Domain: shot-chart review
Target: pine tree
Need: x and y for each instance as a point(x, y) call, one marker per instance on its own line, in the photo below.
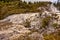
point(29, 3)
point(58, 1)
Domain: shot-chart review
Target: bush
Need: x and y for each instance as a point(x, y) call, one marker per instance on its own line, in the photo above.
point(45, 21)
point(55, 25)
point(53, 36)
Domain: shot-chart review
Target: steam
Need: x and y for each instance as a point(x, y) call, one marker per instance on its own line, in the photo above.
point(53, 9)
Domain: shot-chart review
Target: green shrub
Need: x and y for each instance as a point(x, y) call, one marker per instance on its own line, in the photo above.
point(55, 25)
point(45, 21)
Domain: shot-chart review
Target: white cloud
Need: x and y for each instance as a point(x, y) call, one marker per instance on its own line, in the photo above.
point(39, 0)
point(36, 0)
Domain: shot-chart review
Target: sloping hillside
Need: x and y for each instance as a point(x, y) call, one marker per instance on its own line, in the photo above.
point(32, 21)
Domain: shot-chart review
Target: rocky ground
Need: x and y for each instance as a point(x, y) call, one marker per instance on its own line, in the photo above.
point(25, 27)
point(30, 26)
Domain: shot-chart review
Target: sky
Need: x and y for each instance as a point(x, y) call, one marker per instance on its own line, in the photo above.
point(39, 0)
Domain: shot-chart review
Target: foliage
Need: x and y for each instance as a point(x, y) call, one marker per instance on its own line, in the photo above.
point(55, 25)
point(27, 24)
point(45, 21)
point(53, 36)
point(9, 7)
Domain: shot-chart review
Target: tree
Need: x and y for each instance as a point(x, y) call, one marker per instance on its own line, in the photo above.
point(29, 3)
point(9, 0)
point(25, 2)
